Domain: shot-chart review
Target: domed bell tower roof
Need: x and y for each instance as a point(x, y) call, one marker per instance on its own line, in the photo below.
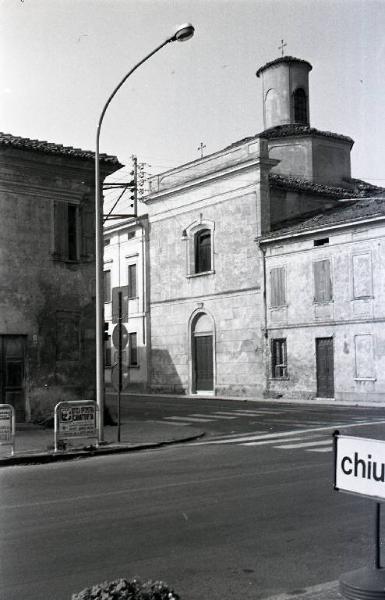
point(285, 89)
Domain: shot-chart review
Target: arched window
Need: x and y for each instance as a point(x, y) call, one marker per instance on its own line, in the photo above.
point(300, 106)
point(203, 251)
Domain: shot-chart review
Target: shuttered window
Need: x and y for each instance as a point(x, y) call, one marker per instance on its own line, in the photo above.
point(107, 286)
point(133, 349)
point(278, 358)
point(322, 282)
point(66, 231)
point(132, 281)
point(277, 287)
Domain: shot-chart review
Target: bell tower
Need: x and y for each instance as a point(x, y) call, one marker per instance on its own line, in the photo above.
point(285, 89)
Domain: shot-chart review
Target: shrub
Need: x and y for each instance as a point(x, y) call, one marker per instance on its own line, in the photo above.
point(43, 402)
point(122, 589)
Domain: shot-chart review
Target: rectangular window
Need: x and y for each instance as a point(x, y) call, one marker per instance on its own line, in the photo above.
point(277, 289)
point(278, 358)
point(322, 281)
point(66, 231)
point(133, 349)
point(107, 352)
point(362, 275)
point(67, 336)
point(107, 286)
point(132, 281)
point(363, 345)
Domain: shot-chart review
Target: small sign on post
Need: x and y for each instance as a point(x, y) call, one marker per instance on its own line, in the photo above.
point(360, 469)
point(7, 426)
point(360, 466)
point(75, 419)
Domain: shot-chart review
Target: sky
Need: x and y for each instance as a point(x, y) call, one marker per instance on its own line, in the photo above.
point(61, 59)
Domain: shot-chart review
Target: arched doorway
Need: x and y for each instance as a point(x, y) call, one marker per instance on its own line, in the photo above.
point(202, 338)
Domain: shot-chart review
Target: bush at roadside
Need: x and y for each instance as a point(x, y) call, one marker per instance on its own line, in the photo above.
point(122, 589)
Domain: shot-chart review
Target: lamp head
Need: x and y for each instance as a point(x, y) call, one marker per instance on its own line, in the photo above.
point(183, 33)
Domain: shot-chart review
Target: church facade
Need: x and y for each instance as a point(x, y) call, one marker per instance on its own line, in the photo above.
point(212, 246)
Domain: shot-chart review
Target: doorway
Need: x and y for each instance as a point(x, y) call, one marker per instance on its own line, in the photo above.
point(325, 367)
point(12, 367)
point(202, 354)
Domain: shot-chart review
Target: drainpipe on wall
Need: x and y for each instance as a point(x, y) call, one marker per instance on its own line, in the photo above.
point(265, 329)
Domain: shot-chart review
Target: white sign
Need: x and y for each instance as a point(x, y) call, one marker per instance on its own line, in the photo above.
point(75, 419)
point(360, 466)
point(7, 425)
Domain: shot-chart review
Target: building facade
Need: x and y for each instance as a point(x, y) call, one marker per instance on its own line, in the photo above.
point(47, 270)
point(208, 250)
point(325, 305)
point(125, 272)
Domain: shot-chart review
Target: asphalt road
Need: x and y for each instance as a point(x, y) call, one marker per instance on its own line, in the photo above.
point(219, 417)
point(215, 520)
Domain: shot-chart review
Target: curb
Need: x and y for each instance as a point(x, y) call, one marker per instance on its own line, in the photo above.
point(45, 458)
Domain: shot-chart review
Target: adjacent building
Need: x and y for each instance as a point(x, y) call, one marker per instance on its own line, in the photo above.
point(325, 304)
point(47, 269)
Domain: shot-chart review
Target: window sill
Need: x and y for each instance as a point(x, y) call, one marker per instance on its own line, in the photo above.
point(279, 378)
point(323, 302)
point(134, 366)
point(192, 275)
point(365, 379)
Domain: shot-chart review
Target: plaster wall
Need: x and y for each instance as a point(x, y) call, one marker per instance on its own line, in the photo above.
point(278, 85)
point(356, 258)
point(34, 286)
point(127, 246)
point(230, 292)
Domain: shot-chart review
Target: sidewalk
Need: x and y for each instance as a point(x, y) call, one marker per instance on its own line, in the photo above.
point(34, 444)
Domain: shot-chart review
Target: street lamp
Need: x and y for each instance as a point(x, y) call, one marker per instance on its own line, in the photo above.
point(182, 34)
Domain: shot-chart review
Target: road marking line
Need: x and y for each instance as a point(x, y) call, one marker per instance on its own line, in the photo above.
point(273, 442)
point(193, 419)
point(297, 432)
point(304, 445)
point(165, 422)
point(216, 415)
point(320, 449)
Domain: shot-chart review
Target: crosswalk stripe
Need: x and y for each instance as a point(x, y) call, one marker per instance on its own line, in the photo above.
point(165, 422)
point(256, 412)
point(320, 449)
point(304, 445)
point(263, 442)
point(216, 415)
point(192, 419)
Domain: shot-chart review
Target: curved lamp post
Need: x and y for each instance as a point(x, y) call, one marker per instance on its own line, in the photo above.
point(182, 34)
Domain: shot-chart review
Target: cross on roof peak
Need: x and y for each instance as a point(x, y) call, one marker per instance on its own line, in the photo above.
point(282, 46)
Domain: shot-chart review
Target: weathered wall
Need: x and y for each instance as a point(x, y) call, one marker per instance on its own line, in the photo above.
point(231, 207)
point(355, 317)
point(34, 286)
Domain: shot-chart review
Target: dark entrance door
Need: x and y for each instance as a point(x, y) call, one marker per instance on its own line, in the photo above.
point(204, 380)
point(325, 367)
point(12, 373)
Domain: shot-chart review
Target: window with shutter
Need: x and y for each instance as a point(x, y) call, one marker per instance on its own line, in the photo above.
point(133, 349)
point(278, 358)
point(322, 282)
point(277, 287)
point(132, 281)
point(66, 231)
point(107, 286)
